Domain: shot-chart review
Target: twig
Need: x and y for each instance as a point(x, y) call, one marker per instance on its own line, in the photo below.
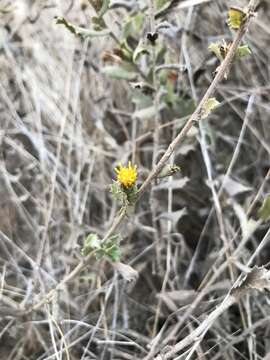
point(231, 298)
point(198, 334)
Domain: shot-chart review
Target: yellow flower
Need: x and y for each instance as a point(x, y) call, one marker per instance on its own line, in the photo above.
point(126, 175)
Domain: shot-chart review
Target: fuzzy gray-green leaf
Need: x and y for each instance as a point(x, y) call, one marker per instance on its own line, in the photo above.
point(209, 106)
point(80, 31)
point(104, 7)
point(119, 72)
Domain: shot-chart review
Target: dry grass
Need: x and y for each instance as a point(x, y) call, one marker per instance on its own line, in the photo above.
point(64, 127)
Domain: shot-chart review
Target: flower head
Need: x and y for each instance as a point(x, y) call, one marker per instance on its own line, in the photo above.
point(126, 175)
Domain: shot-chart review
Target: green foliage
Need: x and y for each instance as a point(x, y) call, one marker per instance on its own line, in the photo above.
point(104, 8)
point(161, 4)
point(243, 51)
point(91, 243)
point(133, 25)
point(124, 196)
point(119, 72)
point(264, 211)
point(209, 106)
point(215, 48)
point(236, 17)
point(109, 248)
point(130, 48)
point(140, 49)
point(169, 170)
point(79, 31)
point(118, 194)
point(221, 50)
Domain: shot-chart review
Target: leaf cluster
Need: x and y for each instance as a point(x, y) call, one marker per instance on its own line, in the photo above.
point(109, 248)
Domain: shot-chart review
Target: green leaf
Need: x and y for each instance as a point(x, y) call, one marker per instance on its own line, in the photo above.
point(162, 6)
point(221, 50)
point(169, 170)
point(119, 72)
point(119, 194)
point(243, 51)
point(127, 28)
point(114, 253)
point(91, 242)
point(124, 196)
point(236, 17)
point(140, 49)
point(161, 54)
point(138, 21)
point(264, 211)
point(127, 51)
point(111, 248)
point(79, 31)
point(131, 195)
point(99, 254)
point(133, 25)
point(104, 8)
point(215, 48)
point(209, 106)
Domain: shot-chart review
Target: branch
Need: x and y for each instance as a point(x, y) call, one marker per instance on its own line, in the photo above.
point(258, 278)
